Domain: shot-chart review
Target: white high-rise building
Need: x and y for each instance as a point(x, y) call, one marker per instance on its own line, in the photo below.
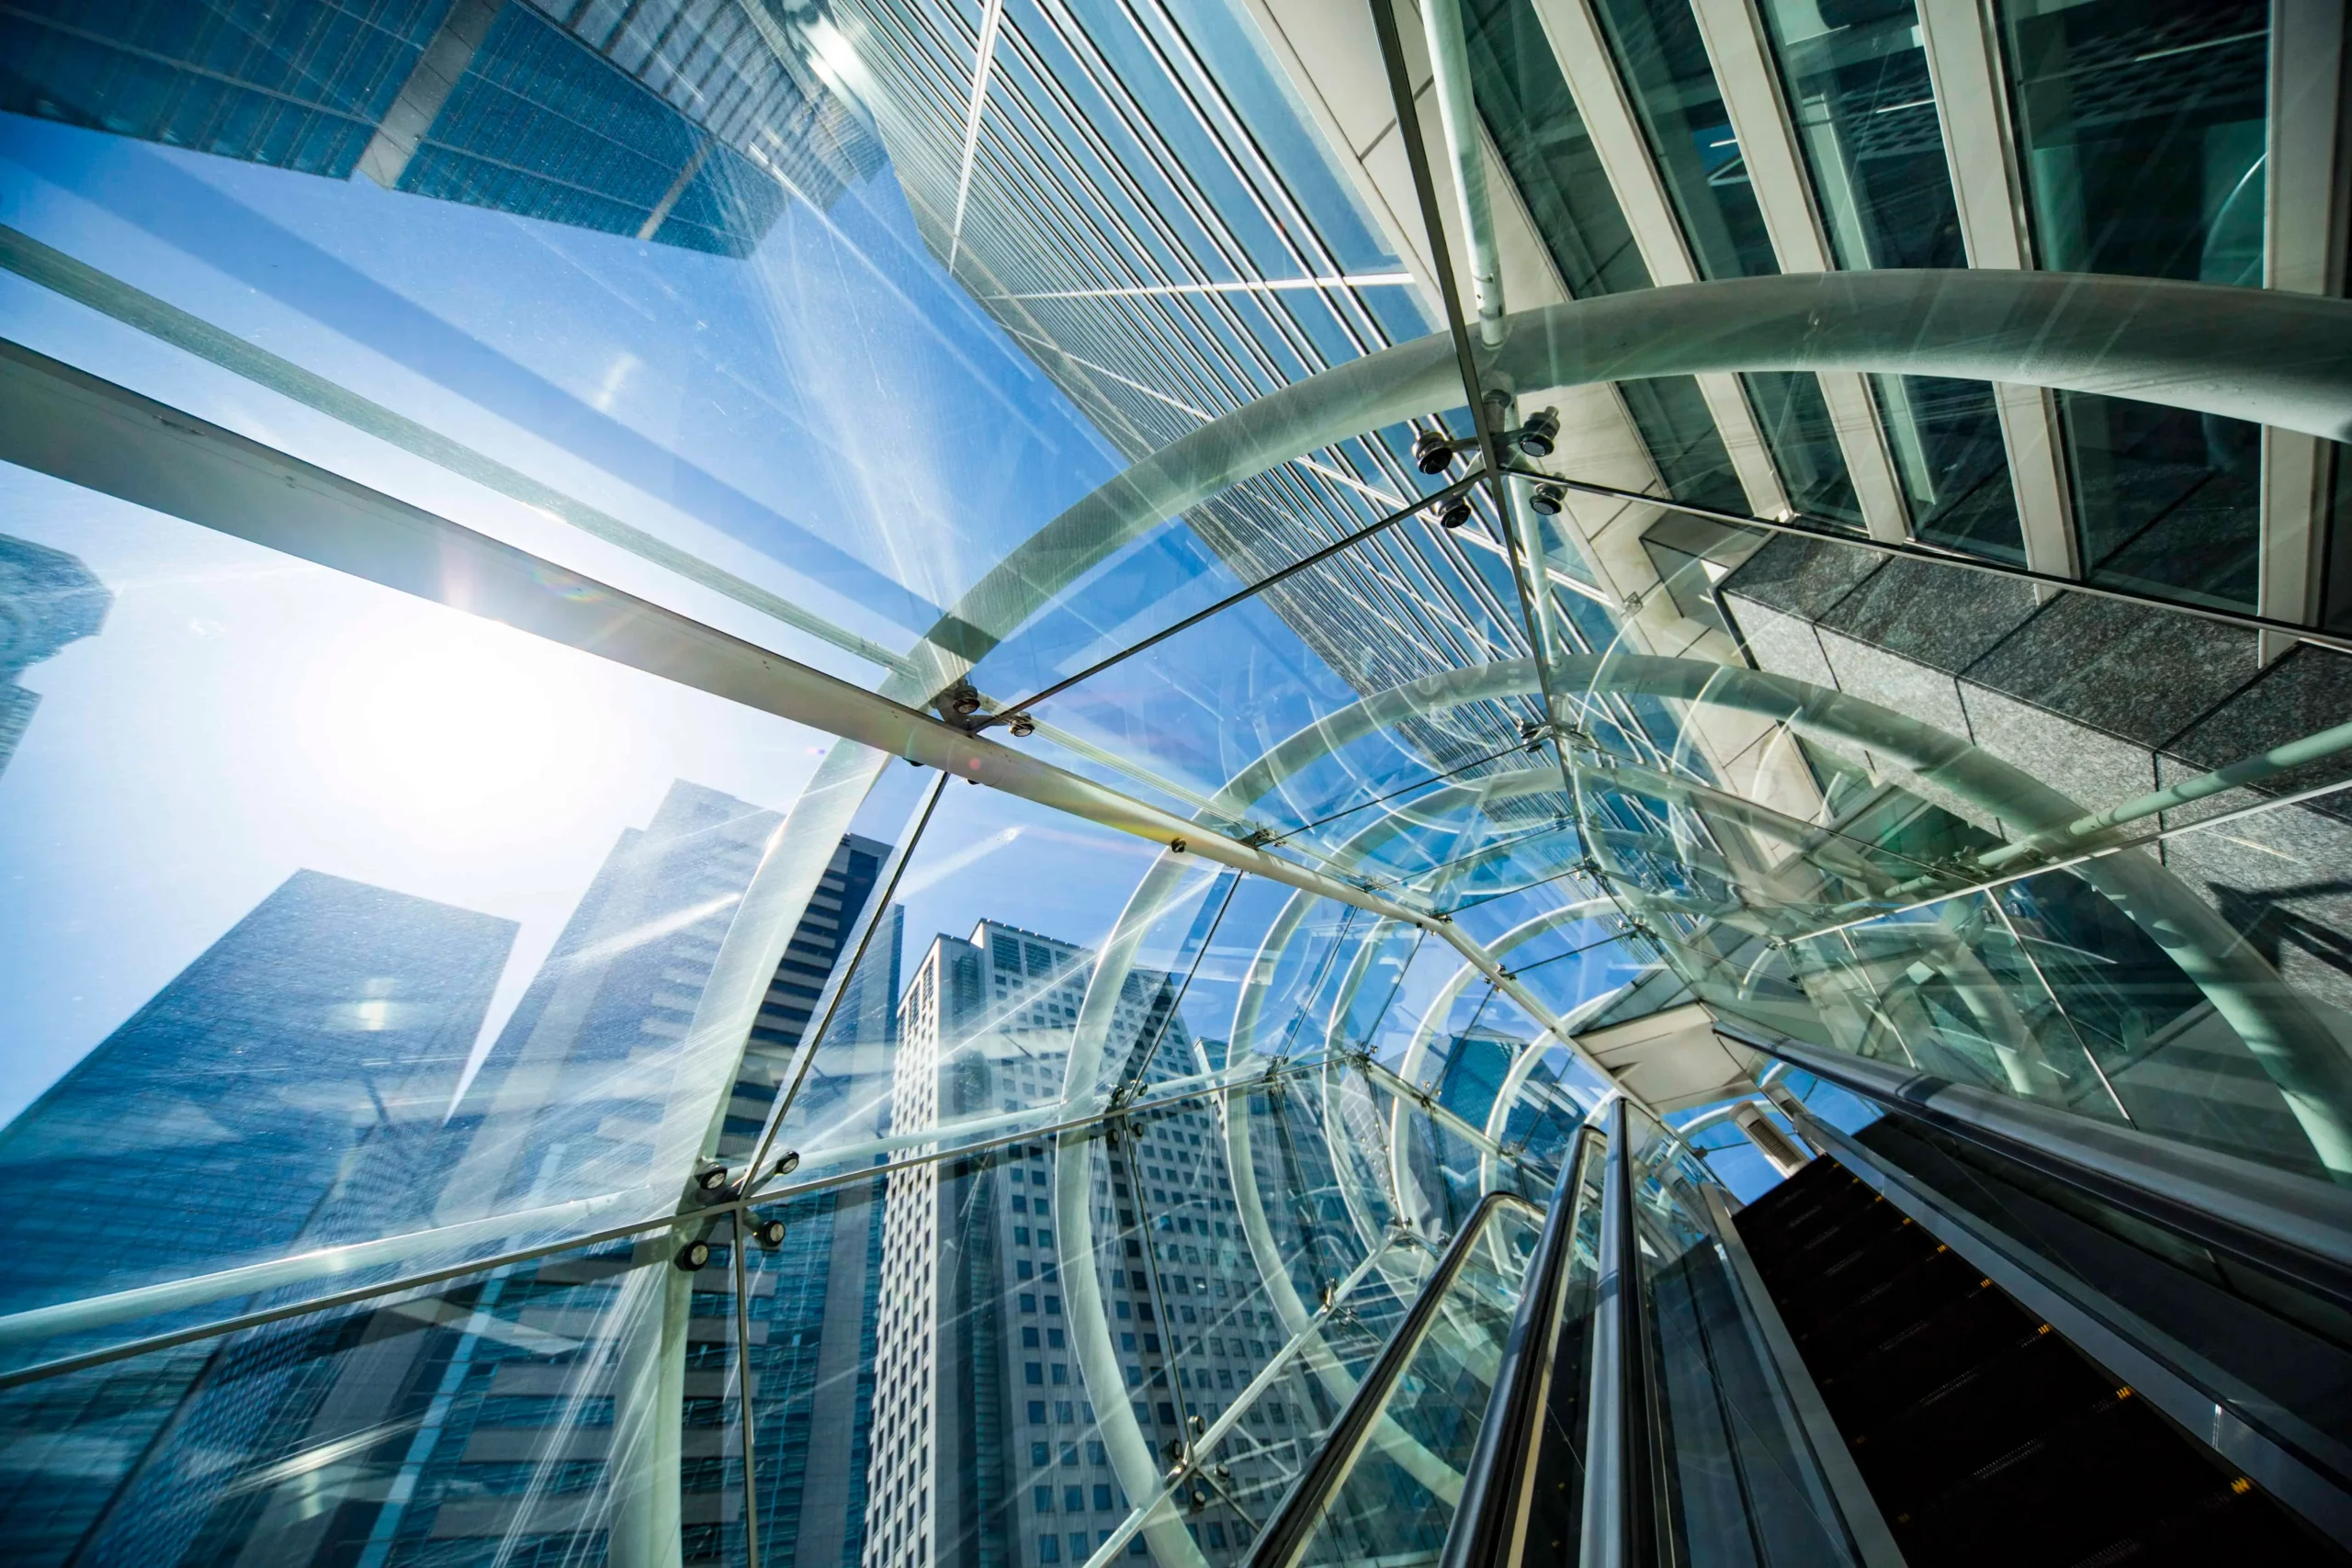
point(978, 1388)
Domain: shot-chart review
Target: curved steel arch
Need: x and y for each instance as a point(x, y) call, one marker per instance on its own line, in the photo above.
point(2258, 355)
point(1417, 1050)
point(2298, 1052)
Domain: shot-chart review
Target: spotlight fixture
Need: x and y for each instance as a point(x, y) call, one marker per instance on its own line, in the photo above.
point(769, 1234)
point(1022, 727)
point(1455, 514)
point(1432, 452)
point(1548, 500)
point(789, 1163)
point(1541, 433)
point(963, 703)
point(711, 1179)
point(693, 1256)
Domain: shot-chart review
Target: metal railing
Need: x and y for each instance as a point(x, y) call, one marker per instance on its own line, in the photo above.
point(1303, 1509)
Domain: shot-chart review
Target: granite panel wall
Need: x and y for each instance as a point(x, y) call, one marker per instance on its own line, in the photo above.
point(2103, 700)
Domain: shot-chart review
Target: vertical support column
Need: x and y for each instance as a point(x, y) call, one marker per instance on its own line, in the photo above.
point(2302, 253)
point(1768, 142)
point(1614, 1467)
point(1972, 105)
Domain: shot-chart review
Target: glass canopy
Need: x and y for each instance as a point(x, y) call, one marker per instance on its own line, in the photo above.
point(1473, 562)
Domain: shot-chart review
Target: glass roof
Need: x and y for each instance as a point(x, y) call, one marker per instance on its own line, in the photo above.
point(1471, 562)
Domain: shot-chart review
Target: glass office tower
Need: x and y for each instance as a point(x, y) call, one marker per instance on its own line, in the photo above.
point(1027, 784)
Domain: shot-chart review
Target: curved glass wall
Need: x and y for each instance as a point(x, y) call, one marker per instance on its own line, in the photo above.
point(825, 782)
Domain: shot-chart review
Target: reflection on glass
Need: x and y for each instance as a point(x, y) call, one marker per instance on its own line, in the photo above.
point(2142, 131)
point(327, 91)
point(1403, 1480)
point(1735, 1483)
point(1663, 62)
point(1525, 101)
point(1857, 82)
point(502, 1414)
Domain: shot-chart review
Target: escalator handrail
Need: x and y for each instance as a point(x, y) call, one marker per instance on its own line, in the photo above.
point(1490, 1485)
point(1294, 1523)
point(2288, 1224)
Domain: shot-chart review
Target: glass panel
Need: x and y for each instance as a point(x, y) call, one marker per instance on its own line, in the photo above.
point(1525, 102)
point(2142, 133)
point(1734, 1481)
point(508, 1414)
point(1399, 1489)
point(1856, 83)
point(1663, 62)
point(380, 957)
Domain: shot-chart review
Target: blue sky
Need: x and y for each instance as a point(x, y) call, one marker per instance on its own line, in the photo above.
point(831, 417)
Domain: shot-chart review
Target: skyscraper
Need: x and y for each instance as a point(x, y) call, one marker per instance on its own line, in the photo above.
point(46, 599)
point(986, 1450)
point(563, 1105)
point(289, 1085)
point(568, 1103)
point(682, 123)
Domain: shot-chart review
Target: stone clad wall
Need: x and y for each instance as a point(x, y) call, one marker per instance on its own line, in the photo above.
point(2102, 699)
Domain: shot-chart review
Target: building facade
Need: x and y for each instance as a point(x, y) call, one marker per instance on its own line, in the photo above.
point(46, 599)
point(986, 1448)
point(683, 122)
point(285, 1089)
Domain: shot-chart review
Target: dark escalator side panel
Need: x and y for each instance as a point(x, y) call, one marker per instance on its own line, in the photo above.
point(1983, 1435)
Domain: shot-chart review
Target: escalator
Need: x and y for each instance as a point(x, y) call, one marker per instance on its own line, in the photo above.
point(1648, 1375)
point(1982, 1435)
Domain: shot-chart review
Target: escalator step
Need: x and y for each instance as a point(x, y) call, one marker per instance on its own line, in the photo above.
point(2059, 1495)
point(1971, 1420)
point(1866, 1385)
point(1984, 1436)
point(1927, 1283)
point(2230, 1524)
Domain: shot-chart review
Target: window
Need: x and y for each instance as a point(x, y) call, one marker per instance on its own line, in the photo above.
point(1049, 1549)
point(1041, 1499)
point(1032, 1372)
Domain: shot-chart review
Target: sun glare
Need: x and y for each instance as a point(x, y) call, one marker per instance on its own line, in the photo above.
point(456, 734)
